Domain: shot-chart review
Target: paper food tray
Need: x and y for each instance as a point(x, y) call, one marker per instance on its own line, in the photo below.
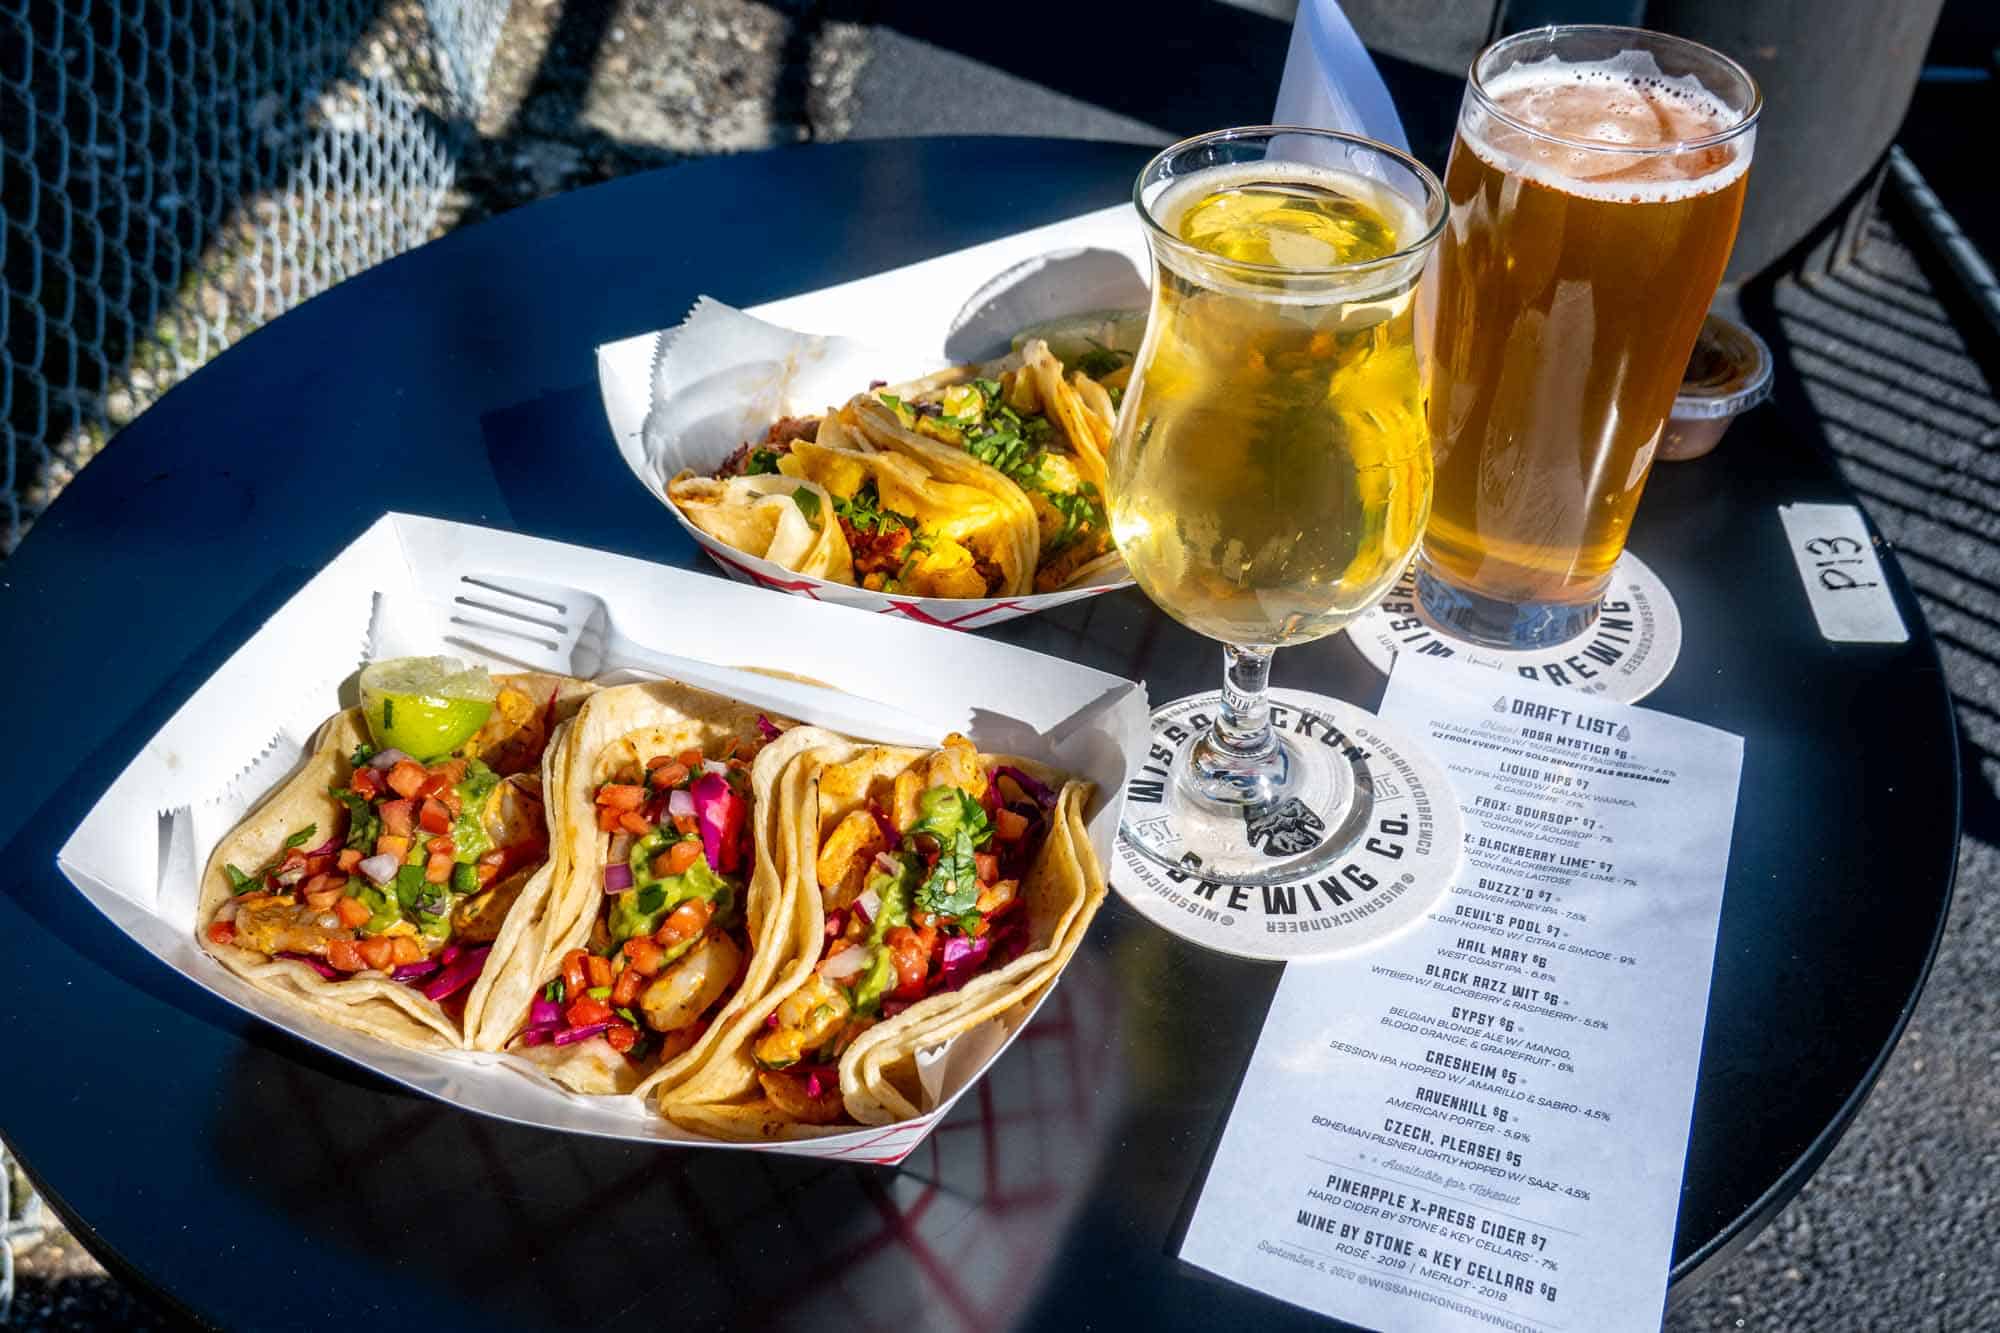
point(138, 854)
point(895, 325)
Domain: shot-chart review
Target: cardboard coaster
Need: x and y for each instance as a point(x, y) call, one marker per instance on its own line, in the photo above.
point(1400, 866)
point(1623, 656)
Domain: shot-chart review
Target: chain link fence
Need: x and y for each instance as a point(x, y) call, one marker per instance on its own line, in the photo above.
point(177, 172)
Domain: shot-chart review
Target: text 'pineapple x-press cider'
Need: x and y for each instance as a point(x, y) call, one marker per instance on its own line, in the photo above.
point(1272, 471)
point(1593, 207)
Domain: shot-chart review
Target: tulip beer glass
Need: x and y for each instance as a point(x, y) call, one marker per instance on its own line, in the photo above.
point(1272, 468)
point(1595, 185)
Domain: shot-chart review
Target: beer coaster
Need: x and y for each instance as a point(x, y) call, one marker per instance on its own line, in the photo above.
point(1399, 867)
point(1623, 656)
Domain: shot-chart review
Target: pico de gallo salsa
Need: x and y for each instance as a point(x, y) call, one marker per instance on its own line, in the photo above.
point(669, 946)
point(417, 882)
point(920, 898)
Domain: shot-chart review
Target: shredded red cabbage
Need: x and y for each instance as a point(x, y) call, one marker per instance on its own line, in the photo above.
point(544, 1012)
point(319, 965)
point(409, 972)
point(836, 922)
point(330, 846)
point(963, 955)
point(449, 954)
point(459, 973)
point(768, 729)
point(720, 813)
point(1041, 793)
point(584, 1033)
point(539, 1034)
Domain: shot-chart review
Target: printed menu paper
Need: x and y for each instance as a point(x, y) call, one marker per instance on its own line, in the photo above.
point(1482, 1123)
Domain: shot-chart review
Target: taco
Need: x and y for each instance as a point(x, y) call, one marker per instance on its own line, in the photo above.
point(980, 481)
point(1047, 436)
point(932, 892)
point(372, 886)
point(663, 919)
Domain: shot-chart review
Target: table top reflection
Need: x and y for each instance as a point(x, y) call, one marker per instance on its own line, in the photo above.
point(245, 1180)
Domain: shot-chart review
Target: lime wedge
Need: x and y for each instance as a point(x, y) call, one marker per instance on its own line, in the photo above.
point(425, 706)
point(1096, 342)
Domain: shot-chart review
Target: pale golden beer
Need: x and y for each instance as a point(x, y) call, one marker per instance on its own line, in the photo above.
point(1596, 183)
point(1272, 468)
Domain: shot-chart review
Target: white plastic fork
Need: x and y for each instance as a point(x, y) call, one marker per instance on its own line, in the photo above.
point(547, 627)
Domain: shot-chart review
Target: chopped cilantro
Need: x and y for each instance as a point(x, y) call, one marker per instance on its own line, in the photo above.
point(303, 836)
point(239, 883)
point(1080, 511)
point(1101, 360)
point(952, 888)
point(363, 824)
point(553, 992)
point(362, 754)
point(762, 462)
point(944, 811)
point(807, 502)
point(864, 513)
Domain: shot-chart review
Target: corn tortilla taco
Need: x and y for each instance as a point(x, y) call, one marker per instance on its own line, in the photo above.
point(372, 887)
point(932, 891)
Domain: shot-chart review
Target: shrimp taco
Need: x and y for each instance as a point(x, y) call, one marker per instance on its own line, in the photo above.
point(932, 891)
point(373, 885)
point(665, 917)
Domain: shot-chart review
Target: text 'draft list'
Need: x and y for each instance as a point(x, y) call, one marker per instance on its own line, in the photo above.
point(1482, 1123)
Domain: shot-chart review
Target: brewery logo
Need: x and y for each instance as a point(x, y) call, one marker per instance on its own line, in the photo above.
point(1285, 830)
point(1402, 860)
point(1623, 656)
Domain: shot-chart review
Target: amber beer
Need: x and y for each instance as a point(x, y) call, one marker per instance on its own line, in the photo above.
point(1595, 183)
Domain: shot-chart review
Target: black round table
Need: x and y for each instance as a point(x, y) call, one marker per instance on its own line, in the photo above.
point(246, 1180)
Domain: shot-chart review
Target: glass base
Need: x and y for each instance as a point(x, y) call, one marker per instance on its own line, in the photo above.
point(1234, 820)
point(1494, 623)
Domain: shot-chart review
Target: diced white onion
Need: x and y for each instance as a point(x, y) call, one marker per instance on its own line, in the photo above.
point(710, 766)
point(869, 904)
point(844, 964)
point(381, 868)
point(888, 865)
point(681, 803)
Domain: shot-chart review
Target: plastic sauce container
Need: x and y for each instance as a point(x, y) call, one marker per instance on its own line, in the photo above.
point(1729, 373)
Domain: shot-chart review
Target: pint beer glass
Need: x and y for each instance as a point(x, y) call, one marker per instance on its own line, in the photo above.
point(1595, 183)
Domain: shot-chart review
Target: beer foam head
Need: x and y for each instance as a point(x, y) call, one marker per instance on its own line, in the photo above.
point(1594, 123)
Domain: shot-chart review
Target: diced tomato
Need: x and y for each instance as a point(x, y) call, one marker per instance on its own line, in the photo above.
point(491, 864)
point(1009, 826)
point(389, 844)
point(433, 817)
point(406, 950)
point(620, 796)
point(352, 912)
point(343, 955)
point(598, 969)
point(406, 777)
point(378, 952)
point(433, 786)
point(690, 759)
point(222, 932)
point(645, 957)
point(626, 988)
point(366, 783)
point(684, 922)
point(677, 858)
point(349, 858)
point(319, 865)
point(634, 823)
point(575, 973)
point(671, 773)
point(658, 761)
point(583, 1011)
point(911, 953)
point(987, 865)
point(442, 845)
point(622, 1037)
point(398, 817)
point(686, 824)
point(437, 870)
point(608, 820)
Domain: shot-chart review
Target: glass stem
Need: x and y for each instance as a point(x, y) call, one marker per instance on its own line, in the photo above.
point(1243, 725)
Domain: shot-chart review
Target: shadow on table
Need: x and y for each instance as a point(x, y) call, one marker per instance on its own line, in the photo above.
point(538, 1227)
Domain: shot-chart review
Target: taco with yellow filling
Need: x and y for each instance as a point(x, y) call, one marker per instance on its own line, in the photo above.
point(931, 892)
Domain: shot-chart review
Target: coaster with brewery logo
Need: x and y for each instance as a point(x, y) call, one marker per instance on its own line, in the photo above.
point(1402, 859)
point(1624, 655)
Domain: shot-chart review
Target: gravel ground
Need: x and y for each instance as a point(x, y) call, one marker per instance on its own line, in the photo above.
point(1899, 1227)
